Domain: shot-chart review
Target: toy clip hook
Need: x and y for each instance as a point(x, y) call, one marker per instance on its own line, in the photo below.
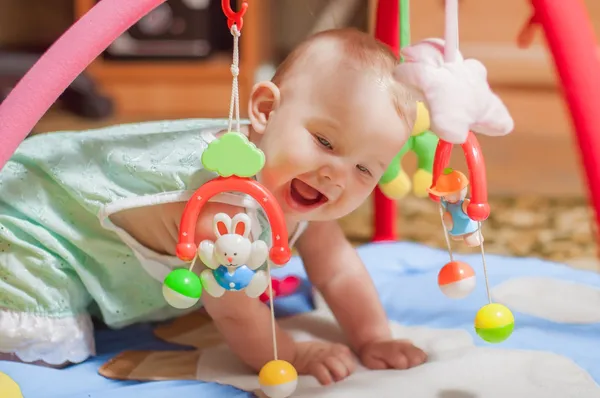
point(234, 18)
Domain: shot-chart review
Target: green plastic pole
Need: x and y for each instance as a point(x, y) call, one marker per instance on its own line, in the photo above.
point(424, 144)
point(404, 23)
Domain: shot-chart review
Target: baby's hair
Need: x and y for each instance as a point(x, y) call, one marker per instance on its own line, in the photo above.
point(361, 50)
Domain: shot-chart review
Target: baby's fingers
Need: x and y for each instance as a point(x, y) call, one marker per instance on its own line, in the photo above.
point(332, 369)
point(415, 356)
point(321, 372)
point(405, 357)
point(338, 369)
point(347, 357)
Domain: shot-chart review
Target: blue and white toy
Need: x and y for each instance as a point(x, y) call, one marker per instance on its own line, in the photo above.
point(233, 260)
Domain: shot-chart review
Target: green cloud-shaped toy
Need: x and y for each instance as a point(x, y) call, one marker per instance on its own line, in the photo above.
point(233, 154)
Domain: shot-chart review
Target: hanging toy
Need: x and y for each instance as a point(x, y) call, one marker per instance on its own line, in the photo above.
point(233, 261)
point(395, 183)
point(494, 323)
point(461, 218)
point(278, 379)
point(451, 188)
point(457, 280)
point(235, 160)
point(182, 288)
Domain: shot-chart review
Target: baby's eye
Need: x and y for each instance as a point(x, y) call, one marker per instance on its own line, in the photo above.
point(224, 254)
point(324, 142)
point(363, 169)
point(235, 254)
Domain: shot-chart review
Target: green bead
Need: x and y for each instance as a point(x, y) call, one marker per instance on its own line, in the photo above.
point(184, 282)
point(496, 335)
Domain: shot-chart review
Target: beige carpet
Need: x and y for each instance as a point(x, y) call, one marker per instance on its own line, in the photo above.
point(553, 229)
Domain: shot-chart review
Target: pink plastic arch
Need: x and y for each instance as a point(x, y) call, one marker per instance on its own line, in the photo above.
point(61, 64)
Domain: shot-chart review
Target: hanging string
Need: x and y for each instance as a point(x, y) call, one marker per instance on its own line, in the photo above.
point(234, 104)
point(485, 274)
point(273, 330)
point(446, 235)
point(451, 31)
point(193, 263)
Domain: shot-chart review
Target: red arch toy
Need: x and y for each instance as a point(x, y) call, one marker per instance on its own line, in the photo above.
point(478, 209)
point(280, 252)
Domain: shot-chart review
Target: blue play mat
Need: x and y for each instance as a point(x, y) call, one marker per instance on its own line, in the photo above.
point(405, 275)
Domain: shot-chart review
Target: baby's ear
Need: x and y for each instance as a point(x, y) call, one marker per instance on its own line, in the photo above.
point(264, 99)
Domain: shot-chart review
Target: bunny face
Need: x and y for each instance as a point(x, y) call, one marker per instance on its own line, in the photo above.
point(232, 247)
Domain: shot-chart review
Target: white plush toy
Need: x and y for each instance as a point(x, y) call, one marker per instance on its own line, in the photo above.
point(233, 260)
point(456, 93)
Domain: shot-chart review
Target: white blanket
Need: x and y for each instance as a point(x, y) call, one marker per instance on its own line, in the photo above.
point(456, 368)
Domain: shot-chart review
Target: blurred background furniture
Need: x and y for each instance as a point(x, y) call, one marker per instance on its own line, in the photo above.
point(175, 62)
point(81, 97)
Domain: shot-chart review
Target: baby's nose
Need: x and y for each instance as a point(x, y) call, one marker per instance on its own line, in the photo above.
point(333, 175)
point(230, 259)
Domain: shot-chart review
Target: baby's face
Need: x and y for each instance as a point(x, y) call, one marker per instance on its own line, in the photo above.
point(329, 142)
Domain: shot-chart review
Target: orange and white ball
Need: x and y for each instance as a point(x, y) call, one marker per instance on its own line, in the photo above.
point(278, 379)
point(456, 280)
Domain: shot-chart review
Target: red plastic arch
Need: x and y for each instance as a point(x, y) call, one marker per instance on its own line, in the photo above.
point(478, 209)
point(280, 252)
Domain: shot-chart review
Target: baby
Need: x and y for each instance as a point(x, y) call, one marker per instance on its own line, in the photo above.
point(89, 220)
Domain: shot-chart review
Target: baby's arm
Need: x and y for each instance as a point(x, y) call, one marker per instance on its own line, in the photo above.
point(244, 322)
point(334, 268)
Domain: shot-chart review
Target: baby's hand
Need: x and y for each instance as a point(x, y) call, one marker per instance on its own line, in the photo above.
point(327, 362)
point(391, 354)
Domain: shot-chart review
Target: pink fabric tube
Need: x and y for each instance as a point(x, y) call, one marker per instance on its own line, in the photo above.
point(61, 64)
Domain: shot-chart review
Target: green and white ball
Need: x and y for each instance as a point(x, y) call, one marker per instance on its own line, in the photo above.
point(182, 289)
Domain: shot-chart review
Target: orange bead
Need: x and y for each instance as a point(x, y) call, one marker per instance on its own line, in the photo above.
point(456, 279)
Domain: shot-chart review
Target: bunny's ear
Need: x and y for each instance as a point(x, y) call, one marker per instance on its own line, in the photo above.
point(221, 224)
point(241, 224)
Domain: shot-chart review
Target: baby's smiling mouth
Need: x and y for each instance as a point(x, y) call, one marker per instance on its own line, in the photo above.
point(304, 196)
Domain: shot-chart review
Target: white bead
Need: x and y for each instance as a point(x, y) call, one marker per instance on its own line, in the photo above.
point(178, 300)
point(459, 289)
point(284, 390)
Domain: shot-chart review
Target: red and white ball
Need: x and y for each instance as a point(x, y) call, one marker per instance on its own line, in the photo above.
point(456, 280)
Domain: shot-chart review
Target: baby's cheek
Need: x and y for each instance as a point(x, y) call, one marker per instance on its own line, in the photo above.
point(286, 157)
point(355, 197)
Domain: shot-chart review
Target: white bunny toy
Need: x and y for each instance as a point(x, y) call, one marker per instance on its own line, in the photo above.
point(232, 259)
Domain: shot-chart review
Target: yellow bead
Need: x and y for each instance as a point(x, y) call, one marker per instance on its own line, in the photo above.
point(493, 316)
point(8, 387)
point(494, 323)
point(277, 372)
point(278, 379)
